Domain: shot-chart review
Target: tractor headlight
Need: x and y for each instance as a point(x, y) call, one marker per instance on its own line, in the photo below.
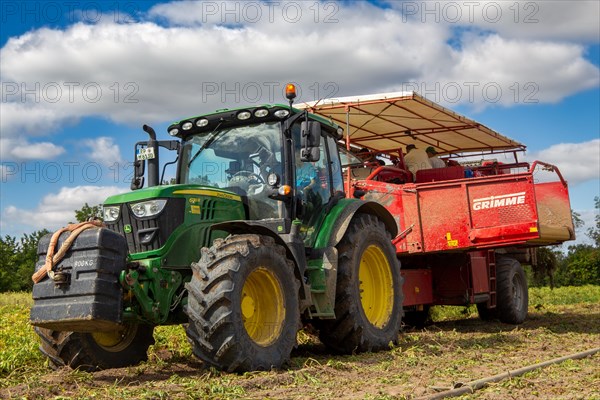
point(243, 115)
point(148, 208)
point(111, 213)
point(261, 112)
point(282, 113)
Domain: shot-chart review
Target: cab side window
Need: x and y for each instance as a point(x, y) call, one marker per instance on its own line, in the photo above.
point(313, 181)
point(336, 166)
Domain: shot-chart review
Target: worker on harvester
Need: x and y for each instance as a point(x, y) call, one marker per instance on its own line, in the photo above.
point(416, 159)
point(435, 161)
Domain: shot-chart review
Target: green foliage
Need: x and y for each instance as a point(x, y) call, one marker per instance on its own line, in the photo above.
point(594, 232)
point(547, 264)
point(18, 343)
point(18, 261)
point(87, 212)
point(577, 221)
point(580, 266)
point(564, 295)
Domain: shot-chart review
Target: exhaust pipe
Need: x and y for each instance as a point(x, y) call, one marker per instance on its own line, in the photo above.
point(153, 164)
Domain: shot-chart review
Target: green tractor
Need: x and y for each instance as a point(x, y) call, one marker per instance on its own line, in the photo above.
point(256, 239)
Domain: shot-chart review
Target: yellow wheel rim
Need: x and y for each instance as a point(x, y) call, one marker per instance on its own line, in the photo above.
point(376, 286)
point(263, 311)
point(117, 340)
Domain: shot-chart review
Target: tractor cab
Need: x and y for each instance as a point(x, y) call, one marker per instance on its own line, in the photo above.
point(281, 162)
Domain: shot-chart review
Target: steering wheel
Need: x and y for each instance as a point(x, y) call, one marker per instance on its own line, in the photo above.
point(248, 174)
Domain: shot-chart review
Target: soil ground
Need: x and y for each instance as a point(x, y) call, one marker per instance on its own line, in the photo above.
point(443, 355)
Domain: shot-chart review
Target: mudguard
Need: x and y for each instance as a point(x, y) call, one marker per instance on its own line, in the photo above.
point(336, 223)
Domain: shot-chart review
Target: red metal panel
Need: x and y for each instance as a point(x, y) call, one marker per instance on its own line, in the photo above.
point(503, 209)
point(417, 287)
point(451, 281)
point(474, 213)
point(444, 217)
point(400, 200)
point(440, 174)
point(479, 273)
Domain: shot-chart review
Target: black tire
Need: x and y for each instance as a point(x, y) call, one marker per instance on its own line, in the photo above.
point(361, 324)
point(243, 304)
point(513, 298)
point(417, 319)
point(95, 351)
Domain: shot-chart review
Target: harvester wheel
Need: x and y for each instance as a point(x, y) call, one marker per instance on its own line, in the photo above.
point(99, 350)
point(368, 304)
point(243, 304)
point(512, 294)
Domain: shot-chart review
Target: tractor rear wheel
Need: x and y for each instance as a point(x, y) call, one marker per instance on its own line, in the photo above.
point(513, 298)
point(368, 304)
point(99, 350)
point(243, 304)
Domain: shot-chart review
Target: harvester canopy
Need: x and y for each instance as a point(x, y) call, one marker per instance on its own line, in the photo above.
point(387, 122)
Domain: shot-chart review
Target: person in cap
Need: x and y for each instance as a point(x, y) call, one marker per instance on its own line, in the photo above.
point(416, 159)
point(435, 161)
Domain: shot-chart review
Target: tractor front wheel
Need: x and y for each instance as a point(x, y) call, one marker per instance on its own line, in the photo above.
point(368, 304)
point(513, 298)
point(243, 304)
point(99, 350)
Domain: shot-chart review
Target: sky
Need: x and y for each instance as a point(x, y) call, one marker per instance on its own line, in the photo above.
point(80, 78)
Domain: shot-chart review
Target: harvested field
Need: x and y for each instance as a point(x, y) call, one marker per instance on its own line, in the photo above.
point(457, 348)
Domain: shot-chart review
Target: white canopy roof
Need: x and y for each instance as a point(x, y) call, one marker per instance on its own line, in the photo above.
point(390, 121)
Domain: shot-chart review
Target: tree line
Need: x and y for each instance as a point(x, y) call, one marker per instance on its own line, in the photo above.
point(19, 257)
point(579, 265)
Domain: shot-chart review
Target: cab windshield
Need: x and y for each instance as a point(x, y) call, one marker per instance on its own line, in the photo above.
point(239, 160)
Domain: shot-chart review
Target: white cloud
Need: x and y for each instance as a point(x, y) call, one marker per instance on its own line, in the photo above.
point(509, 72)
point(37, 151)
point(578, 162)
point(22, 149)
point(562, 20)
point(104, 151)
point(32, 119)
point(57, 209)
point(146, 72)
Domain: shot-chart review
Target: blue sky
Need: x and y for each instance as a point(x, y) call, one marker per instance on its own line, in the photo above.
point(78, 82)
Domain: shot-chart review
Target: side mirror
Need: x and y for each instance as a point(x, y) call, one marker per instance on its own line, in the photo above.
point(310, 141)
point(139, 167)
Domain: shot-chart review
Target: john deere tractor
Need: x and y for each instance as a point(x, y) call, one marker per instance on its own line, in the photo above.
point(255, 239)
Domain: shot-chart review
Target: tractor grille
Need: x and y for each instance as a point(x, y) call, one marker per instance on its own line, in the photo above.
point(151, 233)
